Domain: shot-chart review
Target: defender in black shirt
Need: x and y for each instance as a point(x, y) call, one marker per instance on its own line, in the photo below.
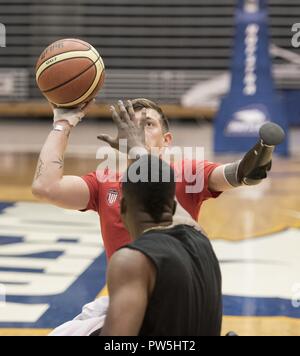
point(168, 281)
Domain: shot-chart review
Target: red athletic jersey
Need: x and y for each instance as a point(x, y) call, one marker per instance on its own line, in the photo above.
point(105, 199)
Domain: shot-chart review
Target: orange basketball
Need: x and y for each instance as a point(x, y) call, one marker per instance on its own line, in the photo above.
point(70, 72)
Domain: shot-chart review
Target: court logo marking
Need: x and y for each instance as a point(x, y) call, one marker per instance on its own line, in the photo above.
point(52, 262)
point(261, 275)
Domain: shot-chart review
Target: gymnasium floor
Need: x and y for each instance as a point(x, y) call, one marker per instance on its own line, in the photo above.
point(52, 260)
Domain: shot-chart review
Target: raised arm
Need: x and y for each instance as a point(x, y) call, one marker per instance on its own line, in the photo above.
point(50, 184)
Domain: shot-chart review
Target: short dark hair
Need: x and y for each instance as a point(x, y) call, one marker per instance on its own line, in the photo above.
point(153, 195)
point(140, 104)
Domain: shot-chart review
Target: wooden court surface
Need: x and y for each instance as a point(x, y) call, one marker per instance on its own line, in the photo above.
point(235, 216)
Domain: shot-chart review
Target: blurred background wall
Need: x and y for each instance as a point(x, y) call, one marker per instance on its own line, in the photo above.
point(152, 48)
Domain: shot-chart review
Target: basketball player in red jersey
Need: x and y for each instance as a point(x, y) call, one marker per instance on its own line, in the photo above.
point(143, 124)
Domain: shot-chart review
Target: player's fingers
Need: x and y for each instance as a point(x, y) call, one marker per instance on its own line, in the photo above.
point(87, 106)
point(143, 121)
point(123, 112)
point(142, 125)
point(116, 117)
point(131, 111)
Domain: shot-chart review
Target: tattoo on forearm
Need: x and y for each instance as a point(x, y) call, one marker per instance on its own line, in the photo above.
point(39, 169)
point(60, 162)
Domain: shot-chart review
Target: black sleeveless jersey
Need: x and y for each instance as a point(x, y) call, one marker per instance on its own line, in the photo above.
point(187, 298)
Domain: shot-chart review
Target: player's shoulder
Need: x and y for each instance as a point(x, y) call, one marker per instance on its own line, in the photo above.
point(128, 256)
point(129, 263)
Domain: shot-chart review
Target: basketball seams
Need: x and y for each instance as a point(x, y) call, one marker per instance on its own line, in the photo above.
point(68, 55)
point(90, 90)
point(71, 79)
point(79, 98)
point(98, 54)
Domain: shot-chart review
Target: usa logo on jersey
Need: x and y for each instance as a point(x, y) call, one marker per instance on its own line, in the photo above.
point(112, 197)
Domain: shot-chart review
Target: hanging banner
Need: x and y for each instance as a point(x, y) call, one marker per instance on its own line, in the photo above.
point(252, 100)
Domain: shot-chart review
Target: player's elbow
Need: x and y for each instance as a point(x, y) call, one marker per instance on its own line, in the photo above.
point(40, 191)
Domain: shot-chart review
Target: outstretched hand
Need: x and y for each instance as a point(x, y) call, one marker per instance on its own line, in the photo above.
point(130, 131)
